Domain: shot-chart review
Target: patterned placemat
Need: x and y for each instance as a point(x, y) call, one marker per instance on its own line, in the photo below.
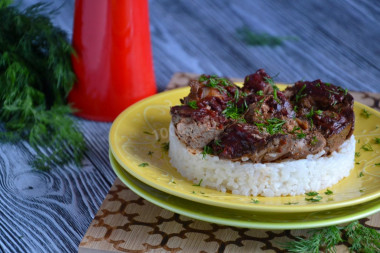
point(126, 222)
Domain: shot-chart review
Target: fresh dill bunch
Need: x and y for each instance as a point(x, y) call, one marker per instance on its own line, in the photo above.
point(358, 237)
point(323, 238)
point(35, 78)
point(361, 238)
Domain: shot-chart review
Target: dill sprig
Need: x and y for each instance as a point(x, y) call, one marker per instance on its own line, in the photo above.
point(36, 77)
point(324, 238)
point(358, 237)
point(272, 126)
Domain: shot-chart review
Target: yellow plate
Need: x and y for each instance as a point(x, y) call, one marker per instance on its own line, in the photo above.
point(139, 134)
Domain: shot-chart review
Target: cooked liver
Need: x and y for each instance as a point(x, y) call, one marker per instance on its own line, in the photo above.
point(259, 123)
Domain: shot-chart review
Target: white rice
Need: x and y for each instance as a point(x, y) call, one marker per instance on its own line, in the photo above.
point(292, 177)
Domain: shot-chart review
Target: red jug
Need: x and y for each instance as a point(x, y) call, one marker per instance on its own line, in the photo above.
point(113, 57)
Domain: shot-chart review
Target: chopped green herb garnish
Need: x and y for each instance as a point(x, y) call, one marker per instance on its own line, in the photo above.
point(295, 108)
point(149, 133)
point(255, 201)
point(143, 164)
point(313, 141)
point(318, 85)
point(207, 150)
point(291, 203)
point(357, 154)
point(234, 112)
point(272, 126)
point(260, 92)
point(165, 146)
point(377, 164)
point(357, 163)
point(202, 78)
point(328, 84)
point(319, 112)
point(361, 174)
point(217, 142)
point(329, 192)
point(301, 135)
point(199, 184)
point(299, 94)
point(314, 198)
point(377, 140)
point(150, 153)
point(236, 95)
point(274, 87)
point(365, 114)
point(333, 92)
point(367, 147)
point(311, 193)
point(193, 104)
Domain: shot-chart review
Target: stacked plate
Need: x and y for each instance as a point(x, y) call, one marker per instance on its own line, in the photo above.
point(139, 156)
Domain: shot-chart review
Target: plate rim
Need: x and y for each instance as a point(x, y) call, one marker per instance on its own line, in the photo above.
point(190, 212)
point(257, 207)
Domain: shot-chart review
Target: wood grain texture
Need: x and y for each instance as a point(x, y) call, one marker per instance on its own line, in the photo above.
point(339, 43)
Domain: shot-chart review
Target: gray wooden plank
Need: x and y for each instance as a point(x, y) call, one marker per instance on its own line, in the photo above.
point(337, 42)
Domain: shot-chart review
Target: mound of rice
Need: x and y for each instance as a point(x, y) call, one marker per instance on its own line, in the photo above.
point(291, 177)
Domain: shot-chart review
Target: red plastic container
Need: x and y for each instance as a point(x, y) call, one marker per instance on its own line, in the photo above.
point(113, 60)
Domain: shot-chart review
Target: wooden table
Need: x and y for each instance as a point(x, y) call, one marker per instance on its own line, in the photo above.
point(338, 43)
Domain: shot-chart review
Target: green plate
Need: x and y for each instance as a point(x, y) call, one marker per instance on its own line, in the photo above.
point(242, 218)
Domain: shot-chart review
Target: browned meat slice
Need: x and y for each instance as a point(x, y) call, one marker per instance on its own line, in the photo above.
point(248, 142)
point(258, 82)
point(197, 127)
point(328, 108)
point(201, 118)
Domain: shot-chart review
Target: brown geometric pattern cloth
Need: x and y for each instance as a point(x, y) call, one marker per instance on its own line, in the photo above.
point(126, 222)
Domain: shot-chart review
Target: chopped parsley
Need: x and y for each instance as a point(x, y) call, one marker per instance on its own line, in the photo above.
point(149, 133)
point(377, 164)
point(367, 147)
point(377, 140)
point(143, 164)
point(329, 192)
point(193, 104)
point(365, 114)
point(199, 184)
point(150, 153)
point(361, 174)
point(357, 154)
